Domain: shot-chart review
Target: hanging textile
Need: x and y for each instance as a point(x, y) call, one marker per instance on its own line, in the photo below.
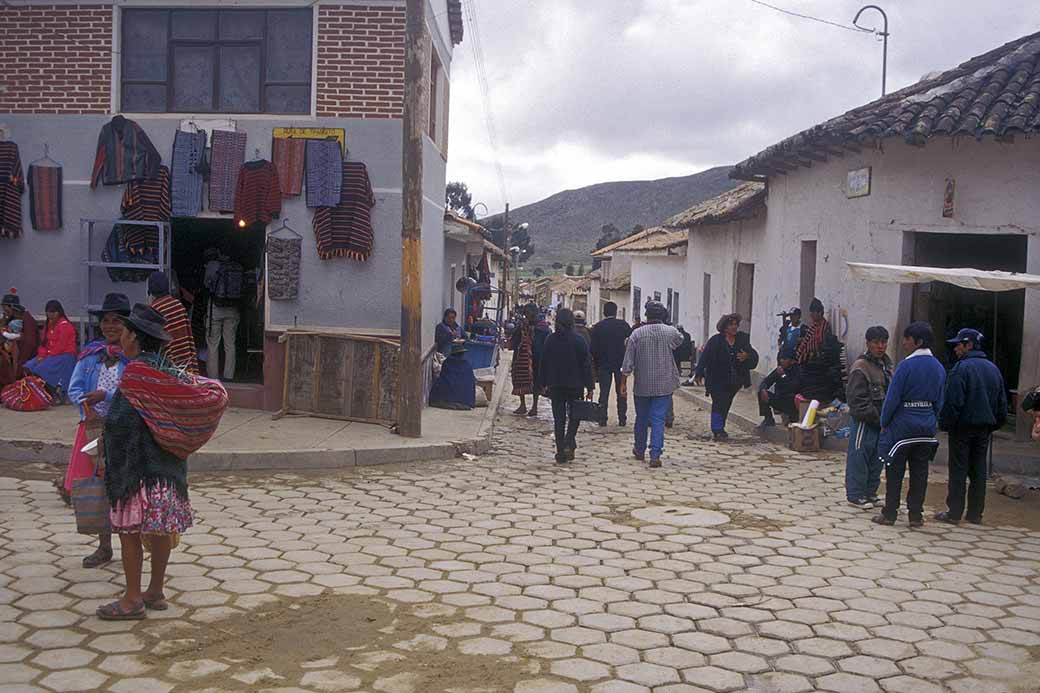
point(258, 198)
point(145, 200)
point(12, 185)
point(45, 197)
point(187, 171)
point(346, 229)
point(115, 251)
point(124, 153)
point(324, 173)
point(227, 154)
point(287, 154)
point(283, 268)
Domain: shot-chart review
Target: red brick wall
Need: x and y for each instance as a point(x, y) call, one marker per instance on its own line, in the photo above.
point(360, 61)
point(55, 58)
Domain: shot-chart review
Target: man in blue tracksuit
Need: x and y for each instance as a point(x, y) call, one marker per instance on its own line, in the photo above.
point(908, 424)
point(975, 405)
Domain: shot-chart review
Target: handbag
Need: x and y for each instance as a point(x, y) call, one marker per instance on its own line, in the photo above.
point(90, 504)
point(584, 410)
point(28, 394)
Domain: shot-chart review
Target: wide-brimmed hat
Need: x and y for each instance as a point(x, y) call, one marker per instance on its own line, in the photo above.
point(114, 303)
point(11, 299)
point(147, 320)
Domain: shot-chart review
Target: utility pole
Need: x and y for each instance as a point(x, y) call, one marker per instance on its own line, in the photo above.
point(505, 246)
point(416, 112)
point(884, 37)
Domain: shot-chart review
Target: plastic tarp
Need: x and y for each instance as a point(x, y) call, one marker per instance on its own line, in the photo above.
point(967, 277)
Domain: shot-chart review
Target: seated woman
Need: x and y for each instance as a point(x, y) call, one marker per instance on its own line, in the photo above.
point(447, 331)
point(56, 357)
point(17, 352)
point(93, 386)
point(455, 387)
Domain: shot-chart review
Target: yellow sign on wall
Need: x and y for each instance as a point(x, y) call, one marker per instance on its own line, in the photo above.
point(339, 134)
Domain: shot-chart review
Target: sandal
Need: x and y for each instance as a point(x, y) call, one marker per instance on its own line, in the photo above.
point(97, 559)
point(115, 612)
point(158, 604)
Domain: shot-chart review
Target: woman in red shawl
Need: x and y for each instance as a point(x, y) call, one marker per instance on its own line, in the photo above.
point(11, 361)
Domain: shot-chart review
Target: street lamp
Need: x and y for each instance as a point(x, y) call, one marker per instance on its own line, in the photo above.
point(479, 204)
point(515, 252)
point(882, 34)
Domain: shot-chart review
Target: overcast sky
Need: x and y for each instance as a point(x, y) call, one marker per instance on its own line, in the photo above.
point(587, 91)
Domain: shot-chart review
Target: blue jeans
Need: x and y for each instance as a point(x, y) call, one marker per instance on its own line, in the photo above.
point(650, 412)
point(862, 464)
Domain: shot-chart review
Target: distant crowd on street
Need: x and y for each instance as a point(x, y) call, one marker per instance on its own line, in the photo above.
point(894, 413)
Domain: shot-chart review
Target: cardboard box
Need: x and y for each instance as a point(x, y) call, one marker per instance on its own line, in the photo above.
point(803, 406)
point(804, 439)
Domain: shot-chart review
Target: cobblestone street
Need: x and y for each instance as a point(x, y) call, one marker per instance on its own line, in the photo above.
point(511, 573)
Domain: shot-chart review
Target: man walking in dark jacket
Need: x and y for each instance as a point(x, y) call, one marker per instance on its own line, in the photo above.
point(566, 372)
point(868, 382)
point(975, 405)
point(608, 352)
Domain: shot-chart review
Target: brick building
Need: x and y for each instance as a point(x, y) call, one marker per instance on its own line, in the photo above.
point(249, 67)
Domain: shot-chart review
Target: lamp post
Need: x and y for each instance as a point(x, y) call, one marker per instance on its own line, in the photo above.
point(884, 38)
point(479, 204)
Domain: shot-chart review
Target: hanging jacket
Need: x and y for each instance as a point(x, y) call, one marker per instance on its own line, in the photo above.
point(258, 196)
point(12, 185)
point(124, 153)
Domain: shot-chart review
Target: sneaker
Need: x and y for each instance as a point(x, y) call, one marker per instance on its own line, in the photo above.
point(945, 517)
point(655, 462)
point(520, 411)
point(861, 503)
point(974, 520)
point(880, 519)
point(720, 435)
point(622, 421)
point(916, 521)
point(639, 455)
point(533, 412)
point(875, 500)
point(569, 454)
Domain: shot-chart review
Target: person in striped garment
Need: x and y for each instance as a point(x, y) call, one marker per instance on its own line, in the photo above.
point(180, 350)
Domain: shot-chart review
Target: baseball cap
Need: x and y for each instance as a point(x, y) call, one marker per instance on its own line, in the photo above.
point(966, 334)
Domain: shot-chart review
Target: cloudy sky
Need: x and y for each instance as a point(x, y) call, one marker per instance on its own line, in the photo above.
point(587, 91)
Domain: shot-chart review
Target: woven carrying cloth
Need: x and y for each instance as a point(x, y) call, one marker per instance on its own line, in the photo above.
point(287, 156)
point(45, 197)
point(12, 185)
point(346, 229)
point(283, 268)
point(227, 154)
point(182, 411)
point(189, 161)
point(324, 173)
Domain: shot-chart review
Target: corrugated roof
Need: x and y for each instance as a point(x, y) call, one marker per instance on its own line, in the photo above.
point(997, 93)
point(742, 202)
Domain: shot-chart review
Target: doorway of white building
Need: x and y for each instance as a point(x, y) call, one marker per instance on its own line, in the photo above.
point(195, 241)
point(999, 316)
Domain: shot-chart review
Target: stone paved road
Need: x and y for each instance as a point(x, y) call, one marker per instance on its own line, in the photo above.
point(511, 573)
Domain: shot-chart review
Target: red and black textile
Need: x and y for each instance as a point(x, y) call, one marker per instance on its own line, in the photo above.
point(258, 197)
point(288, 154)
point(181, 349)
point(227, 154)
point(45, 197)
point(346, 229)
point(124, 153)
point(145, 200)
point(12, 185)
point(182, 412)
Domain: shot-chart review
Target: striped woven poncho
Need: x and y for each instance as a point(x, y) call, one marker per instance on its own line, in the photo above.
point(346, 229)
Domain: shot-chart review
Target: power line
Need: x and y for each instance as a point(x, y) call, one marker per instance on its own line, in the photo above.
point(485, 92)
point(814, 19)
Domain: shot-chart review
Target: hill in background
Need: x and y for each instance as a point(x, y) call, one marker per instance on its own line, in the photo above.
point(565, 226)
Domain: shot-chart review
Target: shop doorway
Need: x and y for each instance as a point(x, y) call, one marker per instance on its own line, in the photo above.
point(194, 242)
point(999, 316)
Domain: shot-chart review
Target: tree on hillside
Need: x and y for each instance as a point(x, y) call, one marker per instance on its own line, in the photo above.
point(538, 271)
point(460, 200)
point(521, 238)
point(638, 228)
point(569, 271)
point(608, 234)
point(557, 265)
point(581, 270)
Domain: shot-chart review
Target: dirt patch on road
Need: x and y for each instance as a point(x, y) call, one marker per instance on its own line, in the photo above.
point(621, 513)
point(1001, 511)
point(353, 636)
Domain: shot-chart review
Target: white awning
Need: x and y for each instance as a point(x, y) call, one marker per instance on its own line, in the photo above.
point(967, 277)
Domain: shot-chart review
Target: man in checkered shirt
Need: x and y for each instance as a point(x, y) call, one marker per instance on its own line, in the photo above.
point(649, 356)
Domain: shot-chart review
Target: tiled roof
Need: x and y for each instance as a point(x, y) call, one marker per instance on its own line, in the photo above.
point(622, 281)
point(654, 238)
point(606, 250)
point(997, 94)
point(455, 20)
point(742, 202)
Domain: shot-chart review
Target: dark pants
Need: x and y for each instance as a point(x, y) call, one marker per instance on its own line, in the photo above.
point(721, 401)
point(968, 448)
point(605, 378)
point(917, 456)
point(564, 423)
point(783, 405)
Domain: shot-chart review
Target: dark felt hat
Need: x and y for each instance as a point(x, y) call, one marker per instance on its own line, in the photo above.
point(114, 303)
point(11, 299)
point(147, 320)
point(458, 347)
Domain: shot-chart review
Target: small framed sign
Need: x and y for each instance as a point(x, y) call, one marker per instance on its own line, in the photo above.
point(948, 197)
point(858, 183)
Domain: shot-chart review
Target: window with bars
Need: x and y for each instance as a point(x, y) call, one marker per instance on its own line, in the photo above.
point(216, 60)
